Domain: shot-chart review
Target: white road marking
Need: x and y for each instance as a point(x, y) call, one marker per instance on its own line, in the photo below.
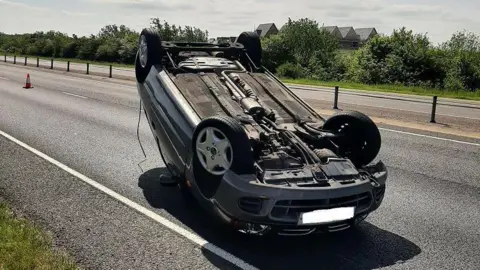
point(161, 220)
point(379, 94)
point(405, 110)
point(398, 109)
point(430, 137)
point(3, 78)
point(415, 111)
point(70, 94)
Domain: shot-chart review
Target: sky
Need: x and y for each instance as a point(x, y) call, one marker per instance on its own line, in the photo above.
point(439, 19)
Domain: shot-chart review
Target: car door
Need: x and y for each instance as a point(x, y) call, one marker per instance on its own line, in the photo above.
point(168, 120)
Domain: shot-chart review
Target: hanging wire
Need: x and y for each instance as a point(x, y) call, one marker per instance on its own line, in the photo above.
point(138, 137)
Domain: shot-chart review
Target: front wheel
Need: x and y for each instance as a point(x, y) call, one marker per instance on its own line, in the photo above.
point(220, 144)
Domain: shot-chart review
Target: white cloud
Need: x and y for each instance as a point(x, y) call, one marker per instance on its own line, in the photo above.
point(23, 6)
point(417, 11)
point(347, 5)
point(73, 13)
point(161, 5)
point(229, 17)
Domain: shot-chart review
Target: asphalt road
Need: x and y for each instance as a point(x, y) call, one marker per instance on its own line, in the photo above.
point(429, 219)
point(388, 101)
point(417, 104)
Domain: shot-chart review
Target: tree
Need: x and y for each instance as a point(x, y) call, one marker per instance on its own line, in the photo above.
point(276, 52)
point(177, 33)
point(302, 46)
point(306, 41)
point(463, 58)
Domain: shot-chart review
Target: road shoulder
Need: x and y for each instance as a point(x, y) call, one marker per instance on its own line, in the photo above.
point(100, 232)
point(24, 245)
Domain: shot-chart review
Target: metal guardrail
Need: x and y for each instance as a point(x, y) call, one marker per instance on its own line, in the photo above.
point(131, 74)
point(432, 115)
point(68, 67)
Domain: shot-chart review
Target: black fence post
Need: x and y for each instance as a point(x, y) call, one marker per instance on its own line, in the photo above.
point(434, 109)
point(335, 102)
point(5, 59)
point(14, 59)
point(51, 63)
point(88, 68)
point(38, 62)
point(110, 71)
point(68, 66)
point(25, 61)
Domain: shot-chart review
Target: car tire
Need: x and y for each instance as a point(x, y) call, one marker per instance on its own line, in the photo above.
point(149, 53)
point(251, 42)
point(359, 139)
point(238, 154)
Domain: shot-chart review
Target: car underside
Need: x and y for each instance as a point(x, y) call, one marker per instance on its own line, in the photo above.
point(258, 155)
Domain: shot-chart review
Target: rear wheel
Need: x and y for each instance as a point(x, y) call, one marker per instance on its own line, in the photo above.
point(251, 42)
point(359, 138)
point(149, 53)
point(220, 144)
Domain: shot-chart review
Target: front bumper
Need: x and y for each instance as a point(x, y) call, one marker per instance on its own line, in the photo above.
point(240, 201)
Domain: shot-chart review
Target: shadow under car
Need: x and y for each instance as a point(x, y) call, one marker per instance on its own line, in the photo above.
point(366, 247)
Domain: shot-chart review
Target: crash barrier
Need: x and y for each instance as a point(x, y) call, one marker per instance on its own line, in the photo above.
point(434, 108)
point(70, 66)
point(432, 115)
point(129, 73)
point(335, 99)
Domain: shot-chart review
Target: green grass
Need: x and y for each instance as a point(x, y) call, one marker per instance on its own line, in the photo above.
point(24, 246)
point(391, 89)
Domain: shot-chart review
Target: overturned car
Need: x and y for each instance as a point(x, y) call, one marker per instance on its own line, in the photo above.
point(248, 149)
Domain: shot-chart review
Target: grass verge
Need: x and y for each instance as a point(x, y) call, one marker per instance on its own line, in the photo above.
point(391, 89)
point(24, 246)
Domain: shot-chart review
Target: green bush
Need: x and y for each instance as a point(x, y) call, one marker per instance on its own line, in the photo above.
point(276, 52)
point(300, 50)
point(290, 70)
point(402, 58)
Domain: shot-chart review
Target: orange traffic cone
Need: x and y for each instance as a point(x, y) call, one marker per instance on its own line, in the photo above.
point(28, 84)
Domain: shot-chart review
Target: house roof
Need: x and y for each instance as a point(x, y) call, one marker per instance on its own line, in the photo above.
point(365, 33)
point(329, 28)
point(345, 30)
point(264, 28)
point(333, 30)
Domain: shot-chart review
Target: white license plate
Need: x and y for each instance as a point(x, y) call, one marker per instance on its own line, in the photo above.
point(326, 215)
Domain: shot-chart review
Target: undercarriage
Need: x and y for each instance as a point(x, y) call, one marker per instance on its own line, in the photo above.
point(288, 145)
point(248, 148)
